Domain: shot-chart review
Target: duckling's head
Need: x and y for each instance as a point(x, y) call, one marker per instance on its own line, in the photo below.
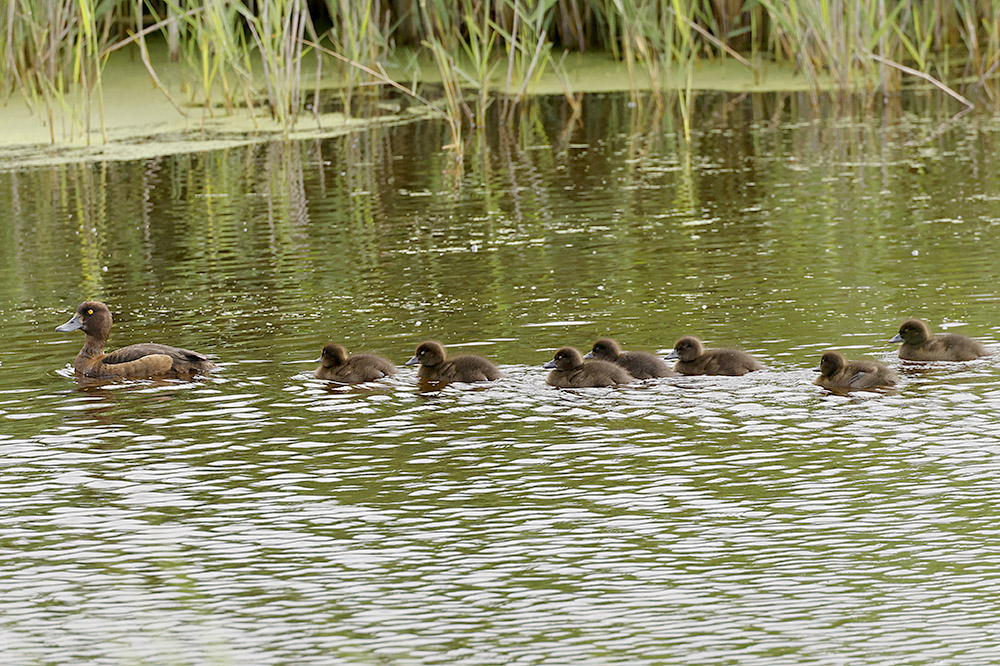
point(429, 353)
point(687, 348)
point(913, 332)
point(605, 349)
point(93, 317)
point(831, 362)
point(333, 355)
point(565, 359)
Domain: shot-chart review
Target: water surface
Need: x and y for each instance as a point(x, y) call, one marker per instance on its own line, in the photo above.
point(259, 516)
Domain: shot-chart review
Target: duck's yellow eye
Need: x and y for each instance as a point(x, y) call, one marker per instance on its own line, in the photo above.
point(90, 312)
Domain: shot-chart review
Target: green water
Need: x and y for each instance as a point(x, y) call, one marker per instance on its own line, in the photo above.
point(259, 516)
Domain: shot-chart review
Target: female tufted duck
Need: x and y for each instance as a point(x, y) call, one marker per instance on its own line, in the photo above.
point(135, 361)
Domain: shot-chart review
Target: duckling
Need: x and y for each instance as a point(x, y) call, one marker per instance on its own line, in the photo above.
point(639, 364)
point(435, 367)
point(920, 345)
point(572, 372)
point(337, 366)
point(837, 373)
point(142, 360)
point(694, 359)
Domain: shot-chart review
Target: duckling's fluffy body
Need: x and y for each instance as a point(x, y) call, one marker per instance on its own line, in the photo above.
point(639, 364)
point(837, 373)
point(337, 366)
point(571, 371)
point(920, 345)
point(135, 361)
point(436, 367)
point(694, 359)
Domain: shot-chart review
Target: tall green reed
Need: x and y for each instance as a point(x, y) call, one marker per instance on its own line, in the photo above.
point(528, 48)
point(278, 30)
point(52, 54)
point(215, 49)
point(359, 32)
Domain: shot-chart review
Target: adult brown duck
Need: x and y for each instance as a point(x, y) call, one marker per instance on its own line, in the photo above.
point(135, 361)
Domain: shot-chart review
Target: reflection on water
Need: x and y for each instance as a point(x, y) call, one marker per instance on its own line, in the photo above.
point(261, 516)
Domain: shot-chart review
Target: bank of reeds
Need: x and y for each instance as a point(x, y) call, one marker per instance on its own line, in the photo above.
point(273, 56)
point(52, 51)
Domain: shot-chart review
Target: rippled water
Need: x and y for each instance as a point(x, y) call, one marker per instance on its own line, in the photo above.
point(259, 516)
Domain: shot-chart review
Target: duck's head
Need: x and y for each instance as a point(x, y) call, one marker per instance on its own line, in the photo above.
point(333, 355)
point(93, 317)
point(687, 348)
point(565, 359)
point(429, 353)
point(913, 332)
point(605, 349)
point(831, 362)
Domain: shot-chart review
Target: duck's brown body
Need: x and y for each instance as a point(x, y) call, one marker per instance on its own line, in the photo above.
point(694, 359)
point(639, 364)
point(571, 371)
point(135, 361)
point(435, 366)
point(337, 366)
point(920, 345)
point(837, 373)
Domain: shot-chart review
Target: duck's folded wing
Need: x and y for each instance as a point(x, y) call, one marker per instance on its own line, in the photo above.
point(136, 352)
point(861, 379)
